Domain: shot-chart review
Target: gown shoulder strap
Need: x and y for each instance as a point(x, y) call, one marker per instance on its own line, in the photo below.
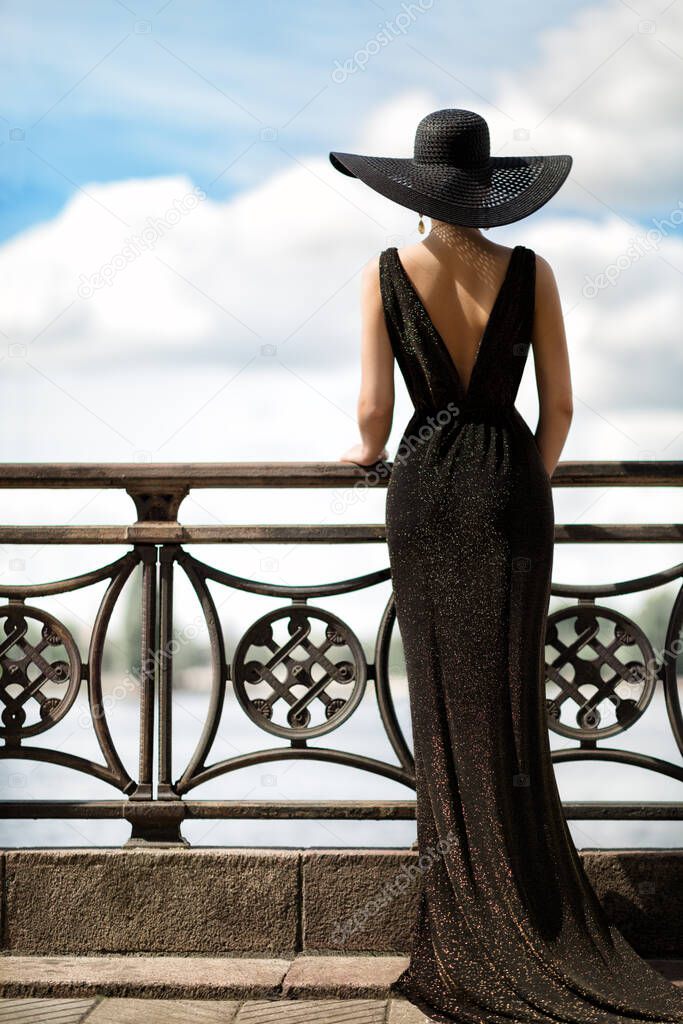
point(390, 298)
point(513, 341)
point(394, 309)
point(529, 283)
point(423, 365)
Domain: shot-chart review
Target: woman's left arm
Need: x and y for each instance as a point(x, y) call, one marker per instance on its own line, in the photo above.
point(376, 399)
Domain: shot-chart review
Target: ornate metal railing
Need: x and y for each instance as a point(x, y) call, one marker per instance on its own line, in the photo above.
point(298, 672)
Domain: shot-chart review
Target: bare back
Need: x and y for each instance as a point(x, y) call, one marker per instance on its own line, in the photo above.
point(458, 288)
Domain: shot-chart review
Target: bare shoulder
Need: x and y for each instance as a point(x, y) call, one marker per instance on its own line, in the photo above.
point(371, 270)
point(370, 279)
point(502, 250)
point(545, 276)
point(371, 290)
point(410, 251)
point(416, 257)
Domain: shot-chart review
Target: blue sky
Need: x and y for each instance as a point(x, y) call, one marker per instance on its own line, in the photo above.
point(106, 90)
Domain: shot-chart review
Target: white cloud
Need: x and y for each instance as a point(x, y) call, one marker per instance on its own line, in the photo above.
point(606, 89)
point(227, 278)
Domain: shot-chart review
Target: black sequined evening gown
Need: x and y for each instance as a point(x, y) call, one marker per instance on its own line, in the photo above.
point(509, 928)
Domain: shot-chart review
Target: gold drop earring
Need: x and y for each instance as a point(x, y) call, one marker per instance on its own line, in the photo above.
point(421, 225)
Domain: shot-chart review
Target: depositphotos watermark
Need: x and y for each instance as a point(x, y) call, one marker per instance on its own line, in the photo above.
point(638, 247)
point(403, 881)
point(389, 30)
point(136, 245)
point(345, 499)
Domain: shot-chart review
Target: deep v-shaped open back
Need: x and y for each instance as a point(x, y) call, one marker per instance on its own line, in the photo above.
point(425, 361)
point(438, 337)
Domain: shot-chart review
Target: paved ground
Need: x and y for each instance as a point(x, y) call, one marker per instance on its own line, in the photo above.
point(208, 1011)
point(210, 990)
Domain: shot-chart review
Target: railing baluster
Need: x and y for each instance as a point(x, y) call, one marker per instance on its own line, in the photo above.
point(148, 663)
point(165, 675)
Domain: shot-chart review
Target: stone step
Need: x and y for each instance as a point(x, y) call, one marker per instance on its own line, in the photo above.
point(198, 977)
point(214, 978)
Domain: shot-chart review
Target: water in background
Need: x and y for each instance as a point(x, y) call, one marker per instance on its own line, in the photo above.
point(311, 780)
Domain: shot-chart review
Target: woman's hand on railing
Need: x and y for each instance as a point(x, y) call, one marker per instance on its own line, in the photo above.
point(362, 456)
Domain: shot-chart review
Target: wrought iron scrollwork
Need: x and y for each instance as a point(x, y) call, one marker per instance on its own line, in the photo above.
point(313, 671)
point(600, 674)
point(299, 673)
point(40, 671)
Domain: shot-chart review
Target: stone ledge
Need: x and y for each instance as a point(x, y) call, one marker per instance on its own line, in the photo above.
point(152, 901)
point(366, 977)
point(279, 902)
point(179, 977)
point(206, 978)
point(642, 894)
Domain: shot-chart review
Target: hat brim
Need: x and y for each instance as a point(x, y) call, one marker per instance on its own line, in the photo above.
point(504, 190)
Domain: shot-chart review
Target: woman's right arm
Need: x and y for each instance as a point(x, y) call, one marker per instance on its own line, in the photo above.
point(376, 397)
point(551, 364)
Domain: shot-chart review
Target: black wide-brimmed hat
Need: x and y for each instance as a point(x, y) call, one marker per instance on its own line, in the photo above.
point(453, 177)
